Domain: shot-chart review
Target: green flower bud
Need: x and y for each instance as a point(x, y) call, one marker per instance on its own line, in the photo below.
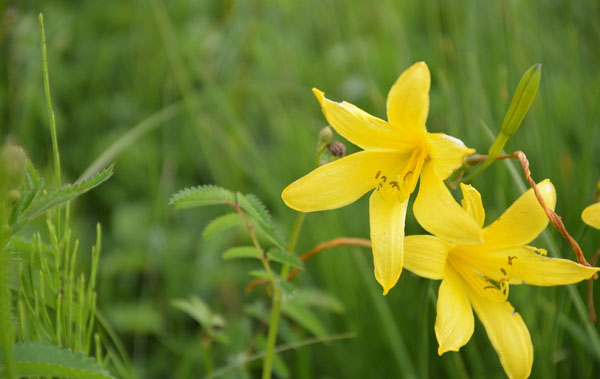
point(522, 100)
point(325, 136)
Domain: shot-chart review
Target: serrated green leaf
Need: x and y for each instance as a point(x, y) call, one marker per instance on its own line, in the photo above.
point(222, 223)
point(51, 199)
point(284, 257)
point(304, 317)
point(201, 196)
point(241, 252)
point(43, 359)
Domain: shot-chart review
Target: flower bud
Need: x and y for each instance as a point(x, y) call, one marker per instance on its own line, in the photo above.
point(325, 136)
point(337, 149)
point(520, 104)
point(522, 100)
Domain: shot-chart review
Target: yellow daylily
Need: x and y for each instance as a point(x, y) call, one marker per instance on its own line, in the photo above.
point(591, 215)
point(395, 154)
point(478, 276)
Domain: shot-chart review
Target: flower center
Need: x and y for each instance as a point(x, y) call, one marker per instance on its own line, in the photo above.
point(495, 289)
point(402, 182)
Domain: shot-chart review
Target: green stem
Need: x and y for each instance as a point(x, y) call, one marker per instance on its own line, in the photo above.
point(51, 113)
point(293, 241)
point(276, 310)
point(272, 335)
point(5, 322)
point(207, 355)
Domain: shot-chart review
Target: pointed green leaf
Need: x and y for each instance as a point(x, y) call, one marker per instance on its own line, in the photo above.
point(43, 359)
point(284, 257)
point(241, 252)
point(201, 196)
point(222, 223)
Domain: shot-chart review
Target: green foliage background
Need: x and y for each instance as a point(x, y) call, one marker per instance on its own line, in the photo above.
point(230, 82)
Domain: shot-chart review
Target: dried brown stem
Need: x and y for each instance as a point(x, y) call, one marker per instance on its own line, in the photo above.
point(342, 241)
point(555, 219)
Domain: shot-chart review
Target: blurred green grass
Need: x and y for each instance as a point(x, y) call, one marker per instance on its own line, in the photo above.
point(240, 73)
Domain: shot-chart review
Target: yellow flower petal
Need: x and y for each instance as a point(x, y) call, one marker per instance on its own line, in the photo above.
point(454, 322)
point(508, 334)
point(387, 215)
point(526, 266)
point(591, 215)
point(408, 99)
point(360, 128)
point(524, 220)
point(438, 212)
point(447, 153)
point(471, 203)
point(340, 182)
point(425, 256)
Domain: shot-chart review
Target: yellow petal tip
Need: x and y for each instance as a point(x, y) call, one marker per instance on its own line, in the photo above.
point(318, 94)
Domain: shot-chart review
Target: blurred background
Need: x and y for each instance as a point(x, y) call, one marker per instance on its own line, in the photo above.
point(219, 91)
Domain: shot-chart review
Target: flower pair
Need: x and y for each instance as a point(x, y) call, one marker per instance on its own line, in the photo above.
point(395, 155)
point(476, 264)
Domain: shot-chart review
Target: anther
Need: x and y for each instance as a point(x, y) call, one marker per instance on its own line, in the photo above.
point(384, 178)
point(510, 259)
point(377, 175)
point(503, 270)
point(407, 174)
point(394, 183)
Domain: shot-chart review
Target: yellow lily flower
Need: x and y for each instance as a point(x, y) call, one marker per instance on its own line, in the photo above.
point(591, 215)
point(478, 276)
point(395, 154)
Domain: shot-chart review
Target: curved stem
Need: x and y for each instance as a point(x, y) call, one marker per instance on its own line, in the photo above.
point(341, 241)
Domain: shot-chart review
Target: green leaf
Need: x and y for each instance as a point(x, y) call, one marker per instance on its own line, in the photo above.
point(201, 196)
point(241, 252)
point(287, 287)
point(222, 223)
point(255, 208)
point(51, 199)
point(284, 257)
point(43, 359)
point(318, 299)
point(305, 318)
point(259, 274)
point(199, 311)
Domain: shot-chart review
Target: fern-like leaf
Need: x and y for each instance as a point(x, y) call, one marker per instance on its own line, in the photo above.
point(44, 359)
